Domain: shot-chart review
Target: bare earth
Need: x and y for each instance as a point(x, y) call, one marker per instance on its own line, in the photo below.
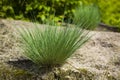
point(98, 59)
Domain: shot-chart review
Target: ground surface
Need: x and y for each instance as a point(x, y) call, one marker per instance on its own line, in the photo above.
point(98, 59)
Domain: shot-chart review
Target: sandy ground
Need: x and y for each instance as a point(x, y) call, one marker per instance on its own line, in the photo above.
point(101, 55)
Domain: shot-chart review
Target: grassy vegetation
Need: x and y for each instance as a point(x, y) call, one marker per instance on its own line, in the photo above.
point(85, 15)
point(52, 45)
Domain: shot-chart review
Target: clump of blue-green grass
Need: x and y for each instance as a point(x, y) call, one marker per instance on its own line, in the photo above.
point(87, 17)
point(52, 45)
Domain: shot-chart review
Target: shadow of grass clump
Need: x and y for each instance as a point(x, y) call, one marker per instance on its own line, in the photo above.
point(25, 70)
point(30, 66)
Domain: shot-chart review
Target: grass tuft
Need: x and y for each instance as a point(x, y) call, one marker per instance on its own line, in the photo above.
point(52, 45)
point(87, 17)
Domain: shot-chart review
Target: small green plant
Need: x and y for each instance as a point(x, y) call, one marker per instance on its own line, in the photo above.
point(51, 45)
point(85, 15)
point(110, 11)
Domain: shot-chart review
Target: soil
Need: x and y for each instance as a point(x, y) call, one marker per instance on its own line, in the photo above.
point(100, 57)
